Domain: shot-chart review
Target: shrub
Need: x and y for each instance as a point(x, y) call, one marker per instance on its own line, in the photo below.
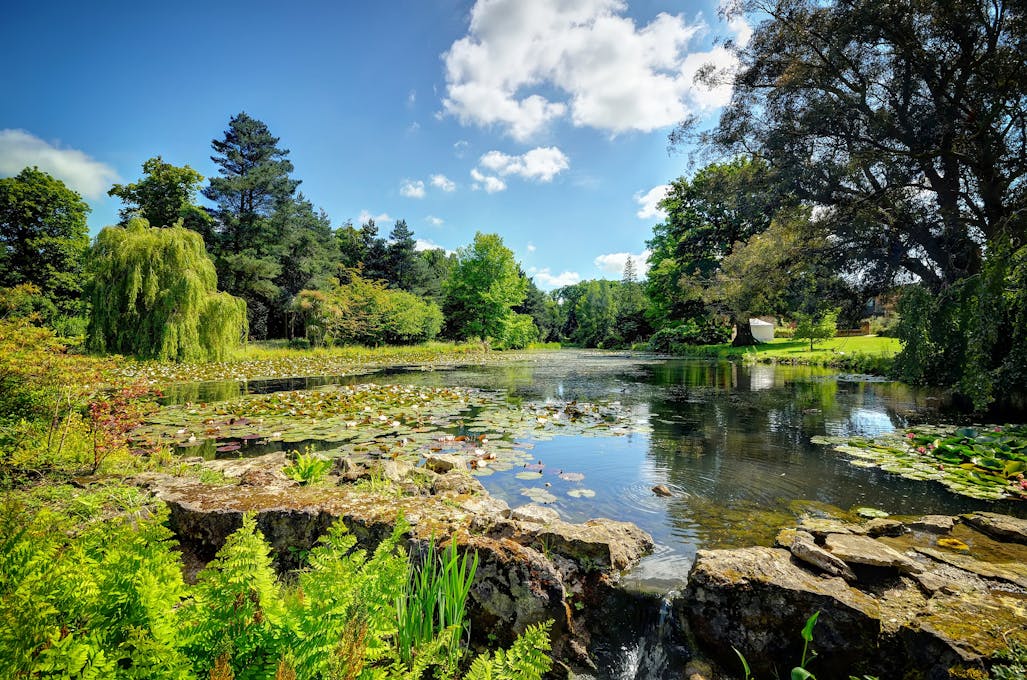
point(813, 328)
point(518, 332)
point(692, 332)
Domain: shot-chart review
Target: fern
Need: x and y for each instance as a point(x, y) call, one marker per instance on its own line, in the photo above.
point(308, 468)
point(527, 659)
point(237, 609)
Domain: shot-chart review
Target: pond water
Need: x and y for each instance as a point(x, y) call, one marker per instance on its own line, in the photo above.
point(731, 442)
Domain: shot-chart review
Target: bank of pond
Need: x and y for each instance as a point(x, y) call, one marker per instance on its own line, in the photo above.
point(513, 459)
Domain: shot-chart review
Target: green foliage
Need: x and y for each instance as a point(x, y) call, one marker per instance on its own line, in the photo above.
point(88, 599)
point(971, 336)
point(518, 331)
point(155, 296)
point(1013, 660)
point(693, 332)
point(527, 658)
point(236, 609)
point(308, 468)
point(43, 238)
point(483, 286)
point(815, 328)
point(165, 196)
point(432, 605)
point(365, 311)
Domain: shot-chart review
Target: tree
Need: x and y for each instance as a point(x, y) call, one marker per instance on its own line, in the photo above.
point(629, 275)
point(815, 328)
point(253, 181)
point(154, 296)
point(401, 257)
point(483, 286)
point(43, 237)
point(724, 204)
point(906, 121)
point(165, 195)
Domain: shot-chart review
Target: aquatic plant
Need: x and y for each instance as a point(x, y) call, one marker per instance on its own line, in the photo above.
point(800, 672)
point(985, 462)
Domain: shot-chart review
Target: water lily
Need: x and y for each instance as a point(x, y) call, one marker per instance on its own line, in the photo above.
point(910, 435)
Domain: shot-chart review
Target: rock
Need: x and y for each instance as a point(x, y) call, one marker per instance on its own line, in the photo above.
point(536, 514)
point(268, 468)
point(484, 504)
point(1002, 527)
point(457, 483)
point(757, 600)
point(662, 490)
point(257, 478)
point(697, 669)
point(822, 526)
point(883, 527)
point(869, 552)
point(786, 537)
point(933, 524)
point(805, 550)
point(444, 462)
point(1010, 572)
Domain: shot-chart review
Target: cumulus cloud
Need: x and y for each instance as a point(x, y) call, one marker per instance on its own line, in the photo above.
point(525, 63)
point(490, 183)
point(649, 203)
point(531, 247)
point(412, 189)
point(442, 182)
point(546, 280)
point(428, 244)
point(20, 149)
point(613, 263)
point(541, 163)
point(365, 216)
point(434, 221)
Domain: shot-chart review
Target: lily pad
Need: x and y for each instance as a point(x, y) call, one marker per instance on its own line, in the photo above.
point(581, 493)
point(538, 494)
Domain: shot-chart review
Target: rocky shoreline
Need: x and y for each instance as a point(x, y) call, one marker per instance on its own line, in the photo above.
point(898, 599)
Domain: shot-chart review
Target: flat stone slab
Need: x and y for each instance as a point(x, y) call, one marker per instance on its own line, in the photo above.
point(933, 524)
point(869, 552)
point(1002, 527)
point(822, 526)
point(1010, 572)
point(884, 527)
point(805, 550)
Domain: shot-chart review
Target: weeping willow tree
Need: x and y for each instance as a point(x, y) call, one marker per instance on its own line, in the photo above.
point(155, 296)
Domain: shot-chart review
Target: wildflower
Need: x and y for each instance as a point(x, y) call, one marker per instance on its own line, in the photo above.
point(921, 449)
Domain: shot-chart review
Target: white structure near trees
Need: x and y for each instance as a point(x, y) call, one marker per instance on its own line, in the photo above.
point(762, 331)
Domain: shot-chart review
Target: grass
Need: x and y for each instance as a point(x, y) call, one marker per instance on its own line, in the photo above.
point(865, 353)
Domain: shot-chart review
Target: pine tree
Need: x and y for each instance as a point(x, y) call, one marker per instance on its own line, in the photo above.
point(401, 255)
point(253, 182)
point(629, 275)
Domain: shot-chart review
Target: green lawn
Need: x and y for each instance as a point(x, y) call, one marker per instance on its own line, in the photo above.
point(866, 353)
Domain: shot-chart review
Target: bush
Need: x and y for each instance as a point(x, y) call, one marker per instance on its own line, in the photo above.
point(813, 329)
point(518, 332)
point(883, 326)
point(299, 343)
point(691, 332)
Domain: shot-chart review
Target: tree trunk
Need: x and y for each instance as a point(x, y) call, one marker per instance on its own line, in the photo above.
point(743, 333)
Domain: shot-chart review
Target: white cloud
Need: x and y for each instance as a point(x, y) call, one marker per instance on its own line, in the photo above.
point(411, 98)
point(443, 182)
point(541, 163)
point(546, 280)
point(613, 263)
point(20, 149)
point(531, 247)
point(599, 67)
point(489, 183)
point(649, 203)
point(412, 189)
point(434, 221)
point(365, 216)
point(427, 244)
point(460, 148)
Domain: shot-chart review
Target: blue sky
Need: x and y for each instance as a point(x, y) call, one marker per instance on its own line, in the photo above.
point(543, 121)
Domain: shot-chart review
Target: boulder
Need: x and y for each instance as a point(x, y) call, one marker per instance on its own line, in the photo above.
point(456, 483)
point(869, 552)
point(444, 462)
point(933, 524)
point(758, 599)
point(1010, 572)
point(662, 490)
point(884, 527)
point(1002, 527)
point(535, 514)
